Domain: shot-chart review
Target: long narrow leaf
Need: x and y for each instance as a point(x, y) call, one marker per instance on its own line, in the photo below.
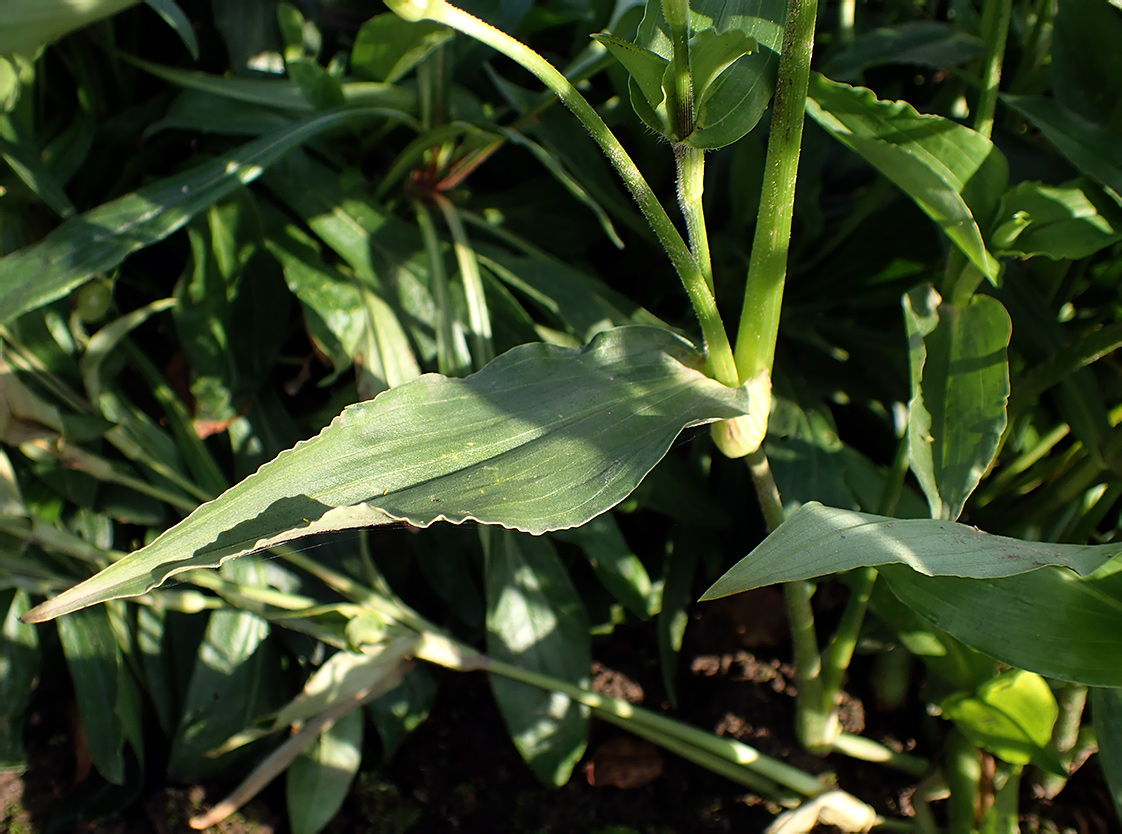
point(536, 620)
point(541, 439)
point(953, 174)
point(817, 541)
point(100, 239)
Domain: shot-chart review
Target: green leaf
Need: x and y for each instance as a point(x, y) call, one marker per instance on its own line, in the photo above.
point(387, 47)
point(93, 656)
point(925, 43)
point(233, 683)
point(1011, 716)
point(320, 777)
point(1069, 221)
point(280, 93)
point(25, 160)
point(536, 620)
point(734, 97)
point(541, 439)
point(711, 53)
point(945, 656)
point(175, 18)
point(19, 669)
point(819, 541)
point(399, 712)
point(1092, 148)
point(1106, 707)
point(100, 239)
point(332, 300)
point(960, 387)
point(734, 101)
point(615, 564)
point(645, 67)
point(29, 25)
point(1046, 621)
point(1084, 55)
point(954, 174)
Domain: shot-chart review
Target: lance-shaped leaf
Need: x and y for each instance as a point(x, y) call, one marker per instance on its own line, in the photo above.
point(31, 24)
point(536, 620)
point(1007, 598)
point(1106, 707)
point(1047, 621)
point(960, 387)
point(543, 438)
point(1091, 147)
point(954, 174)
point(818, 541)
point(100, 239)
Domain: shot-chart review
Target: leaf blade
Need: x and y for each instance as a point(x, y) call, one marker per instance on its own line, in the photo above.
point(542, 438)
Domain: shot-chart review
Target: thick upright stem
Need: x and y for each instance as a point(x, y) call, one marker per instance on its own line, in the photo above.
point(995, 27)
point(767, 270)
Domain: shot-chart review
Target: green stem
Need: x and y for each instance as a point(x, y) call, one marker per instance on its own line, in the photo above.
point(702, 299)
point(847, 16)
point(816, 720)
point(658, 728)
point(767, 270)
point(867, 750)
point(838, 654)
point(767, 491)
point(691, 188)
point(995, 28)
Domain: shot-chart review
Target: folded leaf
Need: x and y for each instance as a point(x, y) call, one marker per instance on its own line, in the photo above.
point(817, 541)
point(954, 174)
point(541, 439)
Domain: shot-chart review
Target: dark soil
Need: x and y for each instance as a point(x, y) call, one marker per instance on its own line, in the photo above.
point(460, 772)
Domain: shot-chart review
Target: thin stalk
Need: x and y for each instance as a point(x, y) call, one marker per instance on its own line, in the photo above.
point(1003, 483)
point(867, 750)
point(847, 17)
point(815, 720)
point(382, 602)
point(839, 653)
point(723, 767)
point(767, 269)
point(995, 28)
point(702, 299)
point(691, 188)
point(479, 318)
point(72, 456)
point(1065, 738)
point(659, 727)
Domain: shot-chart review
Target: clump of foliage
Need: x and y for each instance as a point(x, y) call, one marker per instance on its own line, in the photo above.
point(272, 275)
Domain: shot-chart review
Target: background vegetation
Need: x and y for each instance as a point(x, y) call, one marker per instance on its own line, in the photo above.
point(223, 224)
